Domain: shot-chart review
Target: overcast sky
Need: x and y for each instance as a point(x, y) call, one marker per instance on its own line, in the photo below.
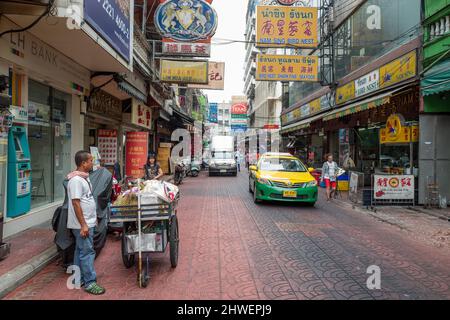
point(231, 26)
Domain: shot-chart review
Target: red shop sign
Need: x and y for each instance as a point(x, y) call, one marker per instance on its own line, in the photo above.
point(136, 153)
point(239, 108)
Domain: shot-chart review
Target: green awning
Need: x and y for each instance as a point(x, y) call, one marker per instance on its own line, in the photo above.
point(437, 79)
point(358, 107)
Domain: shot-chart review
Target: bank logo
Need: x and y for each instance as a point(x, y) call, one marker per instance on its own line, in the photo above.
point(73, 17)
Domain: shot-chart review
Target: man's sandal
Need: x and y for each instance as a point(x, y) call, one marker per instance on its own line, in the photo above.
point(95, 289)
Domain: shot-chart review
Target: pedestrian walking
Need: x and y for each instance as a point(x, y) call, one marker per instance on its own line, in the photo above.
point(82, 220)
point(329, 175)
point(238, 161)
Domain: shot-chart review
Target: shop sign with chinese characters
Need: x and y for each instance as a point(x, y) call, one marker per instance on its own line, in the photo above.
point(216, 77)
point(141, 115)
point(345, 93)
point(393, 187)
point(188, 72)
point(286, 68)
point(136, 153)
point(187, 49)
point(282, 26)
point(396, 132)
point(398, 70)
point(107, 145)
point(367, 84)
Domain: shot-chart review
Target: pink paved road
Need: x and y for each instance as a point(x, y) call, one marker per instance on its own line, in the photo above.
point(232, 248)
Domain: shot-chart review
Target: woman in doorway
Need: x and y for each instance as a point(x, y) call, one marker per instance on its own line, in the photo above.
point(152, 169)
point(329, 175)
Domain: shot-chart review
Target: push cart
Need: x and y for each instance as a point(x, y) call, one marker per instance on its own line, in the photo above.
point(148, 227)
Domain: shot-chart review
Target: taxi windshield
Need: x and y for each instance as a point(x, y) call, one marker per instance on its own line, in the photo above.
point(282, 164)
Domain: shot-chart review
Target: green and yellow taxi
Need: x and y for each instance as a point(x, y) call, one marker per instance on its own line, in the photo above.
point(282, 177)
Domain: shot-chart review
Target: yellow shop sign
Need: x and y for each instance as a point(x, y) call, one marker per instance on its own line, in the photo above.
point(399, 70)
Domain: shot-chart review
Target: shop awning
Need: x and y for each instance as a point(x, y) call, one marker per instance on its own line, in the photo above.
point(132, 91)
point(184, 117)
point(359, 106)
point(437, 79)
point(303, 124)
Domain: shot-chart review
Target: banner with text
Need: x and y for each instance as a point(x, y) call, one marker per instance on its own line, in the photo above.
point(136, 153)
point(287, 68)
point(281, 26)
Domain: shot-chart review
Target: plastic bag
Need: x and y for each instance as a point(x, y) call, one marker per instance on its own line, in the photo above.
point(163, 190)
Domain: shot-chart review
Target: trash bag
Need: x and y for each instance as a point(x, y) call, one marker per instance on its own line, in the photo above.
point(101, 181)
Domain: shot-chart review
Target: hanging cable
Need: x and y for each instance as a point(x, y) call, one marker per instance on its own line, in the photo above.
point(46, 12)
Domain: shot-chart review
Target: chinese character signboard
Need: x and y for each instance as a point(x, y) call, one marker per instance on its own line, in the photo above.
point(396, 132)
point(216, 77)
point(398, 70)
point(141, 115)
point(189, 72)
point(393, 187)
point(281, 26)
point(107, 145)
point(194, 49)
point(286, 68)
point(367, 84)
point(136, 153)
point(345, 93)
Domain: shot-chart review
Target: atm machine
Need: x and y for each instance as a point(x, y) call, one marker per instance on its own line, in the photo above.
point(19, 173)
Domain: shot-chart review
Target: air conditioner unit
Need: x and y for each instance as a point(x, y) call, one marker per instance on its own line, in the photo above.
point(24, 7)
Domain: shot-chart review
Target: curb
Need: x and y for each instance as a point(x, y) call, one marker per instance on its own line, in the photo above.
point(20, 274)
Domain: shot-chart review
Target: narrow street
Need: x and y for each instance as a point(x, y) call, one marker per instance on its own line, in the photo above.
point(231, 248)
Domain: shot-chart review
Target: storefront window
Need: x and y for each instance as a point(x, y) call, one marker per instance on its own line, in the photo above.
point(49, 139)
point(375, 29)
point(372, 31)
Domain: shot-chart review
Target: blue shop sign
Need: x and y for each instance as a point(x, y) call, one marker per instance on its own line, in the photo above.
point(186, 20)
point(111, 19)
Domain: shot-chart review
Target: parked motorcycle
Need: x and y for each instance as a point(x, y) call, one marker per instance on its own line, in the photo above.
point(194, 169)
point(180, 173)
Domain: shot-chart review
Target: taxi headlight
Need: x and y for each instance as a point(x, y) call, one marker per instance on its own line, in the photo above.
point(312, 184)
point(264, 181)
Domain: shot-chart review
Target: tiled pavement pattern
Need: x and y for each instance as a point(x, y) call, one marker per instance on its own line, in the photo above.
point(233, 249)
point(25, 245)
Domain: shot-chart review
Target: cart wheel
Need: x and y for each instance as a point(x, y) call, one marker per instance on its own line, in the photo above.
point(128, 259)
point(145, 275)
point(174, 242)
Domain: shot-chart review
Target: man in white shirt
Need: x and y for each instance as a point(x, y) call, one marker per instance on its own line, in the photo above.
point(82, 220)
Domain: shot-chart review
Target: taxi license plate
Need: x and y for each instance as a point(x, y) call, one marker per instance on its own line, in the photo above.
point(223, 171)
point(290, 194)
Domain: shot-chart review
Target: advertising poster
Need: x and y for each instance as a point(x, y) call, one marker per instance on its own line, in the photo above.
point(393, 187)
point(287, 68)
point(107, 145)
point(136, 153)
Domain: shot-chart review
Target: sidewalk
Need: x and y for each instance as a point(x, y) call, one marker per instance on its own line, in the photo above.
point(31, 251)
point(431, 226)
